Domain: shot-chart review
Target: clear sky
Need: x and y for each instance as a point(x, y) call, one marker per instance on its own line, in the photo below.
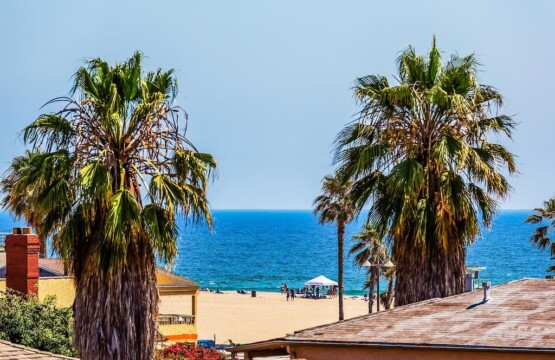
point(267, 84)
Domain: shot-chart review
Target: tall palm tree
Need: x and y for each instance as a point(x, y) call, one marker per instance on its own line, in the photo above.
point(18, 198)
point(368, 246)
point(334, 206)
point(420, 156)
point(541, 238)
point(114, 173)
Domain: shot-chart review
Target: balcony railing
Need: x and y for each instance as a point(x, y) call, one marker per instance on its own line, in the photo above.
point(173, 319)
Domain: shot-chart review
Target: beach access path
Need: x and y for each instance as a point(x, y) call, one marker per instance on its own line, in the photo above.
point(244, 319)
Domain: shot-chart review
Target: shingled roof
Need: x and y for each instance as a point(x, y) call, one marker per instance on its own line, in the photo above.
point(520, 314)
point(9, 351)
point(518, 317)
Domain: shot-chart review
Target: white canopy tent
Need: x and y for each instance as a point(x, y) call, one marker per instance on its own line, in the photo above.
point(320, 281)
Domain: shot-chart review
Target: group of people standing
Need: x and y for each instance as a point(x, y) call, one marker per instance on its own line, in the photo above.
point(289, 293)
point(312, 291)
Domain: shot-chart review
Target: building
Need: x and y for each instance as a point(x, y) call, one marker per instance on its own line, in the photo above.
point(22, 270)
point(516, 322)
point(10, 351)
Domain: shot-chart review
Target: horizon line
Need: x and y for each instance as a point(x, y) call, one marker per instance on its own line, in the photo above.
point(311, 209)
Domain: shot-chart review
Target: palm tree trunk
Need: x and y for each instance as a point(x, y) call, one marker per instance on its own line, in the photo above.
point(423, 275)
point(115, 315)
point(371, 294)
point(340, 241)
point(42, 250)
point(387, 305)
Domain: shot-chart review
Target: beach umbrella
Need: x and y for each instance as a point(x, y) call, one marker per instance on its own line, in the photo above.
point(321, 281)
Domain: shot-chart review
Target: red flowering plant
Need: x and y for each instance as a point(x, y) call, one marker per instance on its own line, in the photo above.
point(188, 351)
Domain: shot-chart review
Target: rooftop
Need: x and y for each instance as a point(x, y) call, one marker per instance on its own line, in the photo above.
point(518, 317)
point(165, 279)
point(9, 351)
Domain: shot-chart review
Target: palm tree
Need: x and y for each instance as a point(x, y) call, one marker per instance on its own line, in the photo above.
point(387, 297)
point(114, 171)
point(334, 206)
point(18, 198)
point(368, 246)
point(420, 157)
point(540, 237)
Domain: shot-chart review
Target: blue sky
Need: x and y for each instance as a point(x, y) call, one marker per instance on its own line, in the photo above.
point(267, 83)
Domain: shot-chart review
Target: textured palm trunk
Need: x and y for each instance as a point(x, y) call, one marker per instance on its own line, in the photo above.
point(42, 249)
point(115, 316)
point(371, 292)
point(340, 241)
point(387, 304)
point(434, 274)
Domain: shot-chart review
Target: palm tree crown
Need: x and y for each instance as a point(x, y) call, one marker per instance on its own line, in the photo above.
point(368, 245)
point(335, 206)
point(112, 169)
point(421, 158)
point(19, 198)
point(541, 237)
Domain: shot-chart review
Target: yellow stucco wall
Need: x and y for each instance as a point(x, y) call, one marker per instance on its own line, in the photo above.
point(61, 287)
point(179, 332)
point(162, 279)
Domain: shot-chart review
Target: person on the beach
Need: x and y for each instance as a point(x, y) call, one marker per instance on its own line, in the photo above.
point(317, 292)
point(287, 292)
point(292, 294)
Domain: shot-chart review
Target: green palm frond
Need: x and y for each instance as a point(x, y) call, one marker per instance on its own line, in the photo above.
point(117, 135)
point(421, 156)
point(545, 218)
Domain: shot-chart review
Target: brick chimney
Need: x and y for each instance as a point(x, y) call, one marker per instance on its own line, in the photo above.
point(22, 261)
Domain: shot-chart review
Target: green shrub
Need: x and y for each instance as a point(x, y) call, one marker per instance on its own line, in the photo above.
point(36, 324)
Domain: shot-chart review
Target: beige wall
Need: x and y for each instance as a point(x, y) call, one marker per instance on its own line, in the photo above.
point(338, 353)
point(60, 287)
point(181, 332)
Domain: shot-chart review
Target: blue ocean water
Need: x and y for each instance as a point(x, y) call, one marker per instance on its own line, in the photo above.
point(260, 249)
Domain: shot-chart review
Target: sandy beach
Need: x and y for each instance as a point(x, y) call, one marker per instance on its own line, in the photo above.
point(244, 319)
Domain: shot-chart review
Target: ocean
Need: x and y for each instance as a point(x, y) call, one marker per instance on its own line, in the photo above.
point(261, 249)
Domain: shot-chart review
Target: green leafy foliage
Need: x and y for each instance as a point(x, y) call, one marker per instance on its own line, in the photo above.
point(36, 324)
point(106, 176)
point(545, 218)
point(422, 158)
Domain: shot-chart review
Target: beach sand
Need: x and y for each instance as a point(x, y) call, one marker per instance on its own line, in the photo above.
point(245, 319)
